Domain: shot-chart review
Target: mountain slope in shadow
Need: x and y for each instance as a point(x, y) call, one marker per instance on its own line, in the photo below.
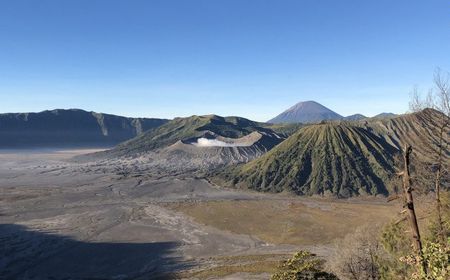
point(67, 128)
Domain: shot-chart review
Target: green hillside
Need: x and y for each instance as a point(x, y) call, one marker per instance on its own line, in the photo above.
point(286, 129)
point(338, 159)
point(186, 128)
point(341, 158)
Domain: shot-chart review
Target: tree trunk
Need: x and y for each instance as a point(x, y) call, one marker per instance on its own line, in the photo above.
point(442, 233)
point(437, 187)
point(407, 189)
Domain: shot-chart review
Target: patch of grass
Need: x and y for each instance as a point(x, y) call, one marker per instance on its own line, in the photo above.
point(222, 271)
point(297, 222)
point(229, 265)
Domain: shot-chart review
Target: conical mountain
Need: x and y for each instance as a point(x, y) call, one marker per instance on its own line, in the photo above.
point(341, 159)
point(306, 112)
point(324, 159)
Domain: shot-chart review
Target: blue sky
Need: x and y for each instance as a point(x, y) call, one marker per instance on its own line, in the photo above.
point(252, 58)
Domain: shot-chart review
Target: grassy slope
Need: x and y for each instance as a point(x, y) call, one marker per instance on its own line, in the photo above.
point(184, 128)
point(325, 158)
point(286, 129)
point(340, 158)
point(413, 129)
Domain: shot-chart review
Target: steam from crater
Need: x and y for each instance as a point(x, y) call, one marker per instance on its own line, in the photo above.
point(204, 142)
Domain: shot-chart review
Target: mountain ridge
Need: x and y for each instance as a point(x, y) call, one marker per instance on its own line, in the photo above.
point(198, 142)
point(307, 112)
point(355, 117)
point(70, 127)
point(194, 127)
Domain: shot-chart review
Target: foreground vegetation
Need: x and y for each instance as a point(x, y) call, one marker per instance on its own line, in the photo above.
point(303, 266)
point(371, 253)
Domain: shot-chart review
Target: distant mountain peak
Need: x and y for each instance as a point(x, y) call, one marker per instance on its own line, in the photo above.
point(306, 112)
point(385, 116)
point(306, 104)
point(355, 117)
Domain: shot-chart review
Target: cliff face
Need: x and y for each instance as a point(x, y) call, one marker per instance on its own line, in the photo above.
point(66, 128)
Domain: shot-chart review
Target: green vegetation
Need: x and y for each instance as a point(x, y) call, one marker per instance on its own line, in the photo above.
point(387, 254)
point(437, 260)
point(302, 266)
point(399, 263)
point(242, 264)
point(286, 129)
point(340, 159)
point(325, 159)
point(404, 265)
point(186, 128)
point(396, 246)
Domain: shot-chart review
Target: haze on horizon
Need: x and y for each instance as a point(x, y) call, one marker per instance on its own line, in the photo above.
point(248, 58)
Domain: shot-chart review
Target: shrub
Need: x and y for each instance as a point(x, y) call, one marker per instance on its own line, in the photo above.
point(303, 266)
point(437, 259)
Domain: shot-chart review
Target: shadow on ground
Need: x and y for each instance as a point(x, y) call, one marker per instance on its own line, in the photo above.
point(29, 254)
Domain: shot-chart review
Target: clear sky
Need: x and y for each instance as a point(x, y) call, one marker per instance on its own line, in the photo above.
point(252, 58)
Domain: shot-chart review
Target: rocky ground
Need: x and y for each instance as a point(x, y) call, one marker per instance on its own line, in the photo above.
point(62, 219)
